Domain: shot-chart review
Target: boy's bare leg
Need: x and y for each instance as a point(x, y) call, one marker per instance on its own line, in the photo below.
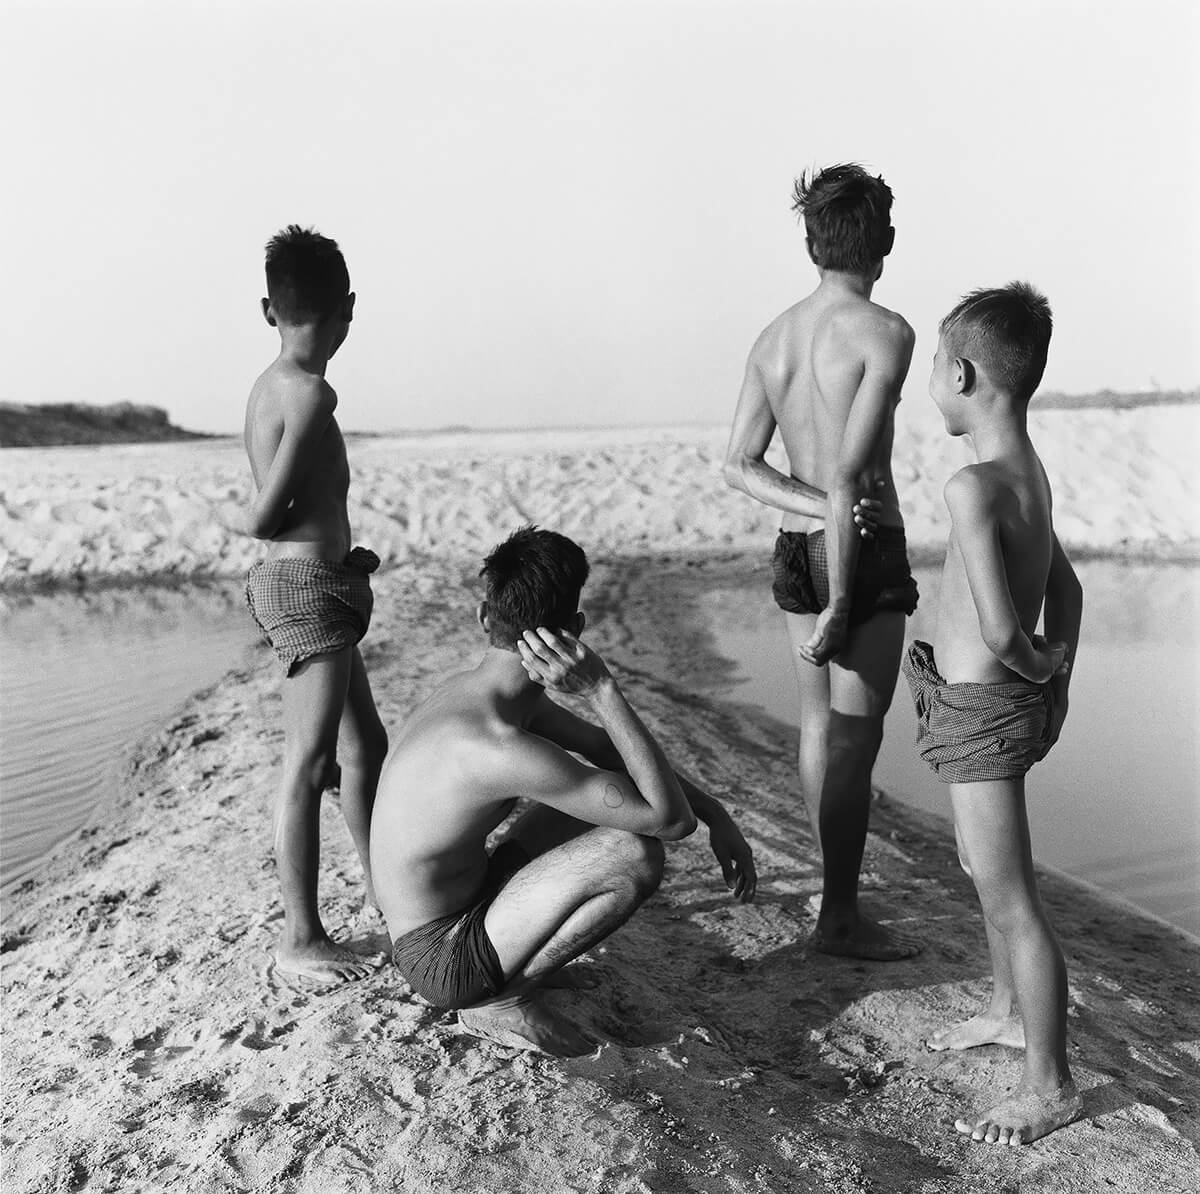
point(993, 830)
point(813, 683)
point(1000, 1022)
point(551, 911)
point(861, 681)
point(313, 700)
point(362, 748)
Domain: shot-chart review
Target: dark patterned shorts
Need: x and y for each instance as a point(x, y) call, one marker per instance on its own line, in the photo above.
point(882, 578)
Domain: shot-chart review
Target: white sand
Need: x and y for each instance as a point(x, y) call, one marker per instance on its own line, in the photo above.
point(1124, 481)
point(148, 1044)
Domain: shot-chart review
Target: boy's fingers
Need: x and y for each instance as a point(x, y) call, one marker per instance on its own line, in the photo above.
point(554, 643)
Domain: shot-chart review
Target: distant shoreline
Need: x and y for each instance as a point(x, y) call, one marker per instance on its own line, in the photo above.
point(67, 424)
point(77, 423)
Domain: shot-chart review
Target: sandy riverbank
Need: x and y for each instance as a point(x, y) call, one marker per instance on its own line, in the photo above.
point(149, 1045)
point(1123, 483)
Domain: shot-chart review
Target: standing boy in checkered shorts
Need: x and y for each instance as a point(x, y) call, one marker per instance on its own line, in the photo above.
point(311, 595)
point(994, 701)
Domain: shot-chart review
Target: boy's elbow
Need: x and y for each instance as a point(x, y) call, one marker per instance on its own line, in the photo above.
point(733, 474)
point(683, 827)
point(1001, 640)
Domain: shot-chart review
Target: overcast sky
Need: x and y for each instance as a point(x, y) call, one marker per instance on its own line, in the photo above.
point(578, 213)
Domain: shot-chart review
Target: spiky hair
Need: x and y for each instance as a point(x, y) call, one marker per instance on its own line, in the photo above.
point(1006, 330)
point(307, 277)
point(847, 214)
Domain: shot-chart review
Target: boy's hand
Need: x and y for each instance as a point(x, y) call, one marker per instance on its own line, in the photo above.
point(559, 662)
point(733, 852)
point(1053, 656)
point(828, 637)
point(866, 514)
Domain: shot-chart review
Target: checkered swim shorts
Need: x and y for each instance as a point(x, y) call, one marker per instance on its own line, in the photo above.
point(973, 732)
point(308, 607)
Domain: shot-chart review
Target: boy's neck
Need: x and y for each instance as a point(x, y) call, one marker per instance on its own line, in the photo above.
point(1002, 429)
point(504, 677)
point(306, 345)
point(837, 284)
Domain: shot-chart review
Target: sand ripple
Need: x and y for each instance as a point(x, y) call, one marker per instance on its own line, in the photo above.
point(1123, 482)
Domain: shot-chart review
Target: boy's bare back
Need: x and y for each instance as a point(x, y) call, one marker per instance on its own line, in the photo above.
point(812, 361)
point(298, 459)
point(1001, 513)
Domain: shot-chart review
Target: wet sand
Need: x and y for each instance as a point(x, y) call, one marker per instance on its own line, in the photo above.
point(149, 1044)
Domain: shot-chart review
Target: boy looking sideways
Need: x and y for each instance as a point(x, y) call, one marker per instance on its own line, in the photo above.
point(994, 701)
point(311, 596)
point(828, 373)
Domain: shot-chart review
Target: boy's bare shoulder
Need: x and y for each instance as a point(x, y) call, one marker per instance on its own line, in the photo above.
point(872, 330)
point(976, 491)
point(294, 393)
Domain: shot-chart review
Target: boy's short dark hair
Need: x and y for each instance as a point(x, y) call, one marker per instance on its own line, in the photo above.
point(847, 215)
point(307, 277)
point(534, 579)
point(1007, 331)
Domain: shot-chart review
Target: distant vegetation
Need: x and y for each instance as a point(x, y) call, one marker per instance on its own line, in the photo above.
point(1111, 400)
point(77, 423)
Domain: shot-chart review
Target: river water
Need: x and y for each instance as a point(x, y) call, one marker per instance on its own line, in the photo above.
point(81, 676)
point(1117, 802)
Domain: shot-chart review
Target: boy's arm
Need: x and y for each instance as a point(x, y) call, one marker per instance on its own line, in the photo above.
point(644, 796)
point(888, 351)
point(307, 412)
point(747, 470)
point(972, 504)
point(732, 851)
point(1061, 621)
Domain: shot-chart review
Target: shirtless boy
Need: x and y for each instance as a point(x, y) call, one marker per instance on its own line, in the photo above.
point(311, 596)
point(828, 374)
point(482, 932)
point(991, 695)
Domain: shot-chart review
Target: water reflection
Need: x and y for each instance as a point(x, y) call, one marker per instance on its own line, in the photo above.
point(82, 675)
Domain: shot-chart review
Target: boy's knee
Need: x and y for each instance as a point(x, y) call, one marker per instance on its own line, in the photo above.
point(641, 861)
point(311, 771)
point(368, 751)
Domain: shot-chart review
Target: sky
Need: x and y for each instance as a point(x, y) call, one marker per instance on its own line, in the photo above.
point(576, 213)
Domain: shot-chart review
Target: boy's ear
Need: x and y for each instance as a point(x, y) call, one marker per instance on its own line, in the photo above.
point(577, 623)
point(812, 253)
point(481, 616)
point(964, 375)
point(349, 307)
point(889, 241)
point(268, 314)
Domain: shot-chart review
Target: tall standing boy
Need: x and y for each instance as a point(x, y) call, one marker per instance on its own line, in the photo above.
point(827, 373)
point(991, 695)
point(311, 596)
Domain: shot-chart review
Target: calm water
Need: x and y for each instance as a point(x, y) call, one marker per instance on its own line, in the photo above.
point(81, 676)
point(1117, 802)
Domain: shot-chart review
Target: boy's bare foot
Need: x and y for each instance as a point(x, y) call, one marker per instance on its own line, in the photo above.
point(525, 1024)
point(1023, 1117)
point(324, 962)
point(864, 938)
point(980, 1030)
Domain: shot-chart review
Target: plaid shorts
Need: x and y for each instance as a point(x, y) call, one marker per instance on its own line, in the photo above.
point(308, 607)
point(968, 733)
point(882, 578)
